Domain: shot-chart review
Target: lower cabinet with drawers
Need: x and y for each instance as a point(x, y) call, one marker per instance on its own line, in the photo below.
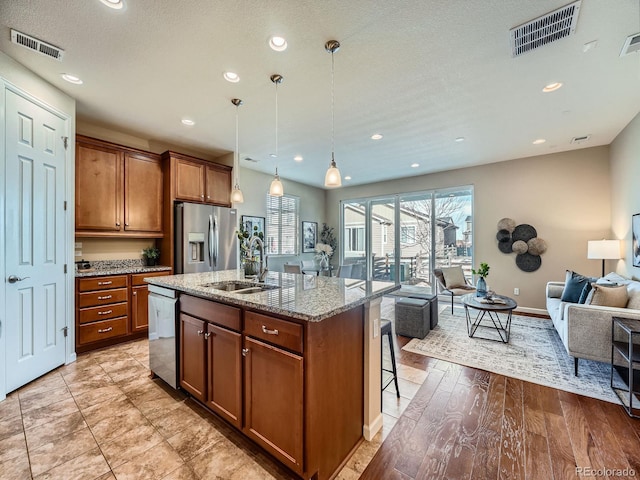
point(111, 309)
point(293, 387)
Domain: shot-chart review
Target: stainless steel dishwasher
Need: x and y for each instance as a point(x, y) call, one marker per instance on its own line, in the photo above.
point(163, 340)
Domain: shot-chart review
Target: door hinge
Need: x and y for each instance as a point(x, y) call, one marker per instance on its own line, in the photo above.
point(65, 268)
point(65, 140)
point(65, 205)
point(66, 331)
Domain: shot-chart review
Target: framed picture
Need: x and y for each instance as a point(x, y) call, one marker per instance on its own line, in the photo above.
point(309, 236)
point(635, 239)
point(250, 223)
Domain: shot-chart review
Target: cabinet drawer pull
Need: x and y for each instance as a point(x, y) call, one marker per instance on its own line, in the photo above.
point(106, 312)
point(245, 351)
point(105, 330)
point(106, 297)
point(105, 283)
point(268, 331)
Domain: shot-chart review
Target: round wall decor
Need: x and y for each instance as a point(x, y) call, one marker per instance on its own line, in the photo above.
point(523, 240)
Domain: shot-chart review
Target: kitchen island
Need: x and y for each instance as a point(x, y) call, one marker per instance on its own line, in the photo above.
point(293, 362)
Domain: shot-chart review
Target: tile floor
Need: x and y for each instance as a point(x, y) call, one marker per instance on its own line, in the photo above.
point(102, 418)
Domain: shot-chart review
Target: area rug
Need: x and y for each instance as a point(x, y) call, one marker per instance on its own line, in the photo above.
point(534, 353)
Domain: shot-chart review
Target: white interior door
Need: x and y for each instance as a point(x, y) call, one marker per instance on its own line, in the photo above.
point(35, 289)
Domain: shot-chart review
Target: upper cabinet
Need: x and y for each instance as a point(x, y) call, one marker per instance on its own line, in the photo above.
point(118, 190)
point(199, 181)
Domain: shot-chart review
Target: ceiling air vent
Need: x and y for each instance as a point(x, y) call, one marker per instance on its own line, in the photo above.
point(36, 45)
point(631, 45)
point(546, 29)
point(581, 139)
point(249, 159)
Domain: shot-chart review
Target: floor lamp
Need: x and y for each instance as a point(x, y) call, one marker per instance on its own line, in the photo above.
point(603, 250)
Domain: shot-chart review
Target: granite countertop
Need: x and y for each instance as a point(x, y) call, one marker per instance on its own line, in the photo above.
point(305, 297)
point(118, 267)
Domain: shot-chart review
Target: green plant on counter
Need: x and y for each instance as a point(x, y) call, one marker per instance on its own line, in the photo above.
point(151, 253)
point(483, 271)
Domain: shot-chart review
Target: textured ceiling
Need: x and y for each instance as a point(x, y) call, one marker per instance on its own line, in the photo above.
point(421, 73)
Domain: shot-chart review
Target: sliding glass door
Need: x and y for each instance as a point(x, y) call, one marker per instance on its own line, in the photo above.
point(402, 238)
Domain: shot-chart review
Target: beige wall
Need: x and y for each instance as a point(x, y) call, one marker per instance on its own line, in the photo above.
point(625, 191)
point(565, 196)
point(112, 248)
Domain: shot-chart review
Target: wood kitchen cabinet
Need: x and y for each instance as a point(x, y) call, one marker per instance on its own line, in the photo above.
point(139, 301)
point(111, 309)
point(294, 387)
point(193, 356)
point(200, 181)
point(119, 191)
point(210, 355)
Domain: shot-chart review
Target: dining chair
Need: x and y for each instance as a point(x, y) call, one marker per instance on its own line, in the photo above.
point(457, 286)
point(344, 271)
point(309, 267)
point(292, 268)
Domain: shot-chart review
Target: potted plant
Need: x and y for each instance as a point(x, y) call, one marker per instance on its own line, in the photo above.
point(248, 259)
point(151, 255)
point(482, 272)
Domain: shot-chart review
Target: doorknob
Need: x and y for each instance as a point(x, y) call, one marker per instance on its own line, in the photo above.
point(14, 279)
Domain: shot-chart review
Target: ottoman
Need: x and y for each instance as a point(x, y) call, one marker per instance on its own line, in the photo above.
point(413, 317)
point(433, 306)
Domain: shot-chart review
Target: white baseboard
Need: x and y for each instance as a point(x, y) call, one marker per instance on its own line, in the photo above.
point(369, 431)
point(534, 311)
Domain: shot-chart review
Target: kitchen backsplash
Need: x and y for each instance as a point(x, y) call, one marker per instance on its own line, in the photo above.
point(92, 249)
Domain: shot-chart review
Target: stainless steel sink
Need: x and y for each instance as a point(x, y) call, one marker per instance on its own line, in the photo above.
point(241, 287)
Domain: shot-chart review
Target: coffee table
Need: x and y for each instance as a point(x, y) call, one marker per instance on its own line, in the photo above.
point(489, 312)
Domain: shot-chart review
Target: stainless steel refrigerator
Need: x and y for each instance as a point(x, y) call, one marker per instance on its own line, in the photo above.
point(205, 238)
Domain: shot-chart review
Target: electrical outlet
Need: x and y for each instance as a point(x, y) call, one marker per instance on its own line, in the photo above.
point(516, 291)
point(78, 245)
point(78, 253)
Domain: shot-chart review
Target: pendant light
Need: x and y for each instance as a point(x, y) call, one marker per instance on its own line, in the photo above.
point(276, 189)
point(333, 177)
point(236, 193)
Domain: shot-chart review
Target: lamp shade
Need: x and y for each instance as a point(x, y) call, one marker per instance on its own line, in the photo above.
point(276, 189)
point(333, 177)
point(236, 195)
point(603, 249)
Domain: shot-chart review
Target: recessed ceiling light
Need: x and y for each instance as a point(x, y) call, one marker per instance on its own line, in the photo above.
point(539, 141)
point(298, 158)
point(72, 79)
point(188, 122)
point(376, 136)
point(459, 139)
point(115, 4)
point(552, 87)
point(273, 155)
point(415, 165)
point(279, 44)
point(347, 177)
point(231, 77)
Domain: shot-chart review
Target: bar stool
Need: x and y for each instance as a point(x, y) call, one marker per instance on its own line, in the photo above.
point(385, 329)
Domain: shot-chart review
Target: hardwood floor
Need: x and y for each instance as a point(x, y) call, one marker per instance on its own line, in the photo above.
point(468, 423)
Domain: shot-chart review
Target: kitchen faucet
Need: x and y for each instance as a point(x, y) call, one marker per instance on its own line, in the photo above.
point(264, 259)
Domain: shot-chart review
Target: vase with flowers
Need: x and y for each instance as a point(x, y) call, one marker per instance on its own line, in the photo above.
point(481, 286)
point(323, 253)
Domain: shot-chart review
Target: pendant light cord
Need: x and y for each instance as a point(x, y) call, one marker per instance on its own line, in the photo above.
point(333, 122)
point(276, 128)
point(236, 159)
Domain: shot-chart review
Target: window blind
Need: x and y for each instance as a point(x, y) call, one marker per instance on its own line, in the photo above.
point(282, 225)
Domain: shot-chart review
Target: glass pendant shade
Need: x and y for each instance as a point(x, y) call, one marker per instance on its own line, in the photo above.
point(333, 177)
point(276, 189)
point(236, 195)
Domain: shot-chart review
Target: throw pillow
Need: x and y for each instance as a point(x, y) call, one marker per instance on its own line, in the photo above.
point(633, 290)
point(453, 277)
point(585, 293)
point(609, 296)
point(573, 286)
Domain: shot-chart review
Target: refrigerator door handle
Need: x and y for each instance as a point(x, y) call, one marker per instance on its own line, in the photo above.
point(210, 241)
point(216, 241)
